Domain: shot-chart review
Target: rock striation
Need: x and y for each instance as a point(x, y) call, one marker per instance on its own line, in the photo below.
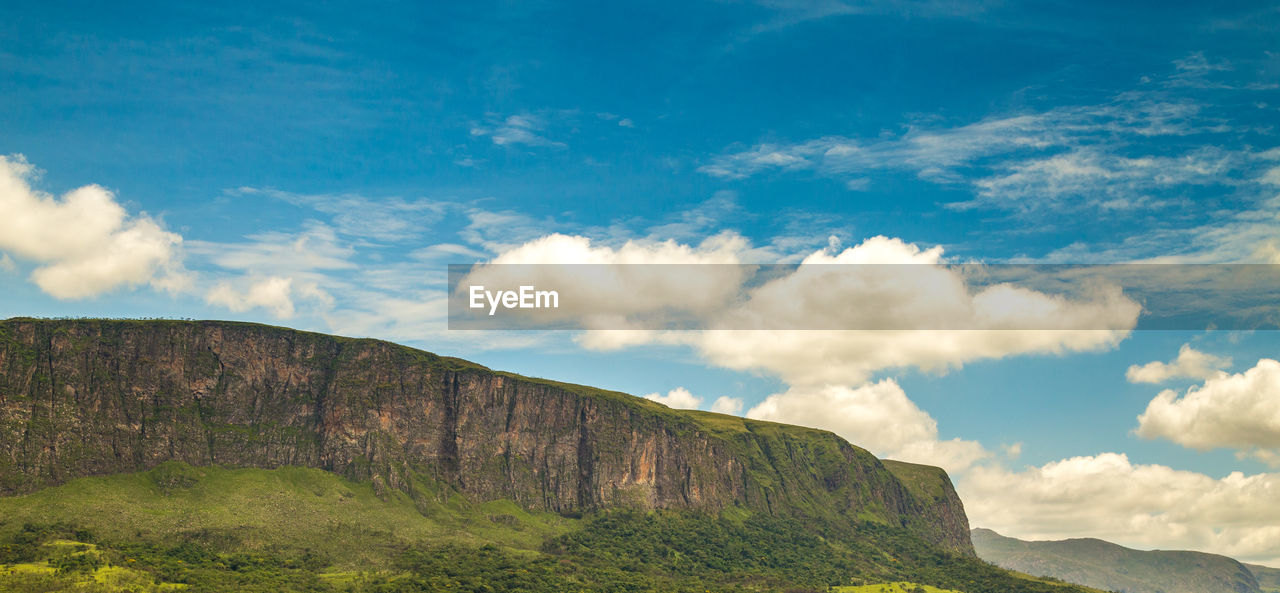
point(94, 397)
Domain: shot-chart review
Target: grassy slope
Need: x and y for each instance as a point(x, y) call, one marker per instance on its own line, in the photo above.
point(900, 587)
point(1107, 565)
point(353, 529)
point(745, 436)
point(924, 481)
point(270, 509)
point(299, 529)
point(1268, 578)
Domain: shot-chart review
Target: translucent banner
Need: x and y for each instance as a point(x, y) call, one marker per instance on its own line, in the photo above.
point(1115, 297)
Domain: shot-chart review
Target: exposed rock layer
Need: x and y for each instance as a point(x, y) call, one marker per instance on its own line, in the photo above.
point(81, 398)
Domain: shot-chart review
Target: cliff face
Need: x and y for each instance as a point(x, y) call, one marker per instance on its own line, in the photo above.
point(80, 398)
point(939, 504)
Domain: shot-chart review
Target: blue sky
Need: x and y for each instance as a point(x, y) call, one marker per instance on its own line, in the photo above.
point(318, 167)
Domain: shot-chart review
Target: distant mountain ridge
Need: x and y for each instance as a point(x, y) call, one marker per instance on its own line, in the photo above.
point(1104, 565)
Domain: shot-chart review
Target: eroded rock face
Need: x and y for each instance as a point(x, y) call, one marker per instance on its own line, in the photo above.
point(80, 398)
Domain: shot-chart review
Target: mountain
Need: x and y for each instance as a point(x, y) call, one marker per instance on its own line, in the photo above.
point(235, 456)
point(1104, 565)
point(84, 398)
point(1268, 578)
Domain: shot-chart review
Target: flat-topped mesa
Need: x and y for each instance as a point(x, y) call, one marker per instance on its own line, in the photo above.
point(94, 397)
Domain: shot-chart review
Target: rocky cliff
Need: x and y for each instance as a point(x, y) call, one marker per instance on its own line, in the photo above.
point(94, 397)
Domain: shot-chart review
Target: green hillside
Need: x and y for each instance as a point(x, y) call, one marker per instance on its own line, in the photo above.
point(301, 529)
point(1105, 565)
point(99, 397)
point(1268, 578)
point(216, 456)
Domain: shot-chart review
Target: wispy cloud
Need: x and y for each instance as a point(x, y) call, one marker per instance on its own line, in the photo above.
point(1199, 72)
point(317, 247)
point(784, 14)
point(389, 219)
point(1138, 150)
point(524, 128)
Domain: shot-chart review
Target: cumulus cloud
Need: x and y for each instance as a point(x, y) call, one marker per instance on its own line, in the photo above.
point(912, 292)
point(275, 294)
point(606, 283)
point(727, 405)
point(875, 416)
point(83, 243)
point(678, 398)
point(882, 281)
point(931, 311)
point(1190, 363)
point(1239, 411)
point(1146, 506)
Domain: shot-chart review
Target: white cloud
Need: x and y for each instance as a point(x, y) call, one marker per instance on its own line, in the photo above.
point(385, 219)
point(452, 251)
point(760, 158)
point(678, 398)
point(84, 243)
point(317, 248)
point(1271, 177)
point(681, 399)
point(936, 305)
point(1190, 363)
point(943, 310)
point(914, 290)
point(522, 128)
point(876, 416)
point(789, 13)
point(1145, 506)
point(1246, 236)
point(6, 264)
point(274, 294)
point(727, 405)
point(699, 221)
point(619, 283)
point(1239, 411)
point(503, 230)
point(1107, 181)
point(1060, 159)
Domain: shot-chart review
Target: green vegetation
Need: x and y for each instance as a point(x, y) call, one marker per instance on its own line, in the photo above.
point(257, 510)
point(924, 481)
point(892, 588)
point(1268, 578)
point(783, 508)
point(296, 529)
